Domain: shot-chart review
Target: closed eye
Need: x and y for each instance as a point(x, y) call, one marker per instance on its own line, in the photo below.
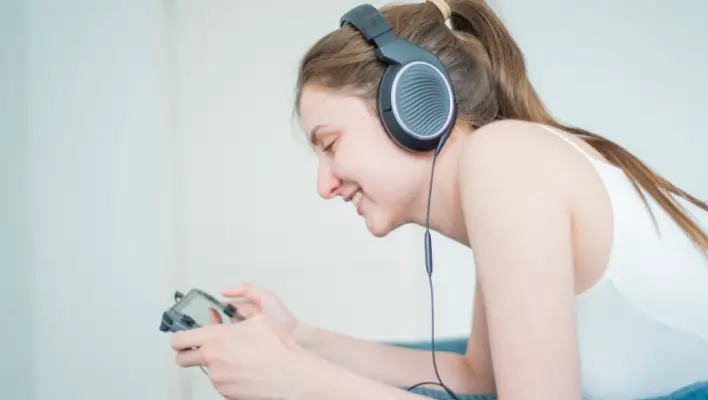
point(328, 148)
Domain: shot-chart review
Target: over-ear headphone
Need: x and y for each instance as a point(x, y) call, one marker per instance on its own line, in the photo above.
point(416, 100)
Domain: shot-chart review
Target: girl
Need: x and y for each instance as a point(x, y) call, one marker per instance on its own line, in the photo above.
point(591, 269)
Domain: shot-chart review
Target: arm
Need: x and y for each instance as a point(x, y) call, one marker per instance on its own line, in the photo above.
point(330, 381)
point(391, 365)
point(514, 193)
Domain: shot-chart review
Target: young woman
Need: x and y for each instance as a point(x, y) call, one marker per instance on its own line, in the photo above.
point(592, 277)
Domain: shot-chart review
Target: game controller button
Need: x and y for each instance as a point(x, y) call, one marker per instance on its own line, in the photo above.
point(178, 296)
point(230, 310)
point(188, 321)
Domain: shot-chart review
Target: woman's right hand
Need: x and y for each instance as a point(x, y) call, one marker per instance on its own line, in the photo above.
point(250, 300)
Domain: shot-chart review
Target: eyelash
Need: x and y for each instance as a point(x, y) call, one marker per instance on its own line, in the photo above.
point(328, 148)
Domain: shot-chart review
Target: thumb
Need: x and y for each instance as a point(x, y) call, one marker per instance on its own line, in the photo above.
point(214, 316)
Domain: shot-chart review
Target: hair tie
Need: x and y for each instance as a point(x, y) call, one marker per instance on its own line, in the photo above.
point(443, 7)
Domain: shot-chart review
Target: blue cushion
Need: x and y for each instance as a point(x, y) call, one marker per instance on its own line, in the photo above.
point(698, 390)
point(458, 346)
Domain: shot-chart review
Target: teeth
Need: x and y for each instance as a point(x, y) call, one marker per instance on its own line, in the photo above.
point(356, 198)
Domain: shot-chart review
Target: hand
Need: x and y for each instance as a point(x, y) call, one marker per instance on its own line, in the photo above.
point(253, 359)
point(250, 300)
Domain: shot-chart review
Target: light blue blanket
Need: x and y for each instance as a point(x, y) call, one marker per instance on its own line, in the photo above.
point(698, 390)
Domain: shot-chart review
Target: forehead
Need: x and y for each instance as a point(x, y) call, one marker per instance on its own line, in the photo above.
point(329, 110)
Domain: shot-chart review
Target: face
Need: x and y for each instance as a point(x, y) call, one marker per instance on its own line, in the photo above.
point(360, 163)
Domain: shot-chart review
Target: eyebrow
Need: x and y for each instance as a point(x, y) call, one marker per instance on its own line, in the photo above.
point(313, 134)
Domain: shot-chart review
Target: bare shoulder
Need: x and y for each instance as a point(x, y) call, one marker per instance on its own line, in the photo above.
point(509, 129)
point(511, 172)
point(517, 138)
point(520, 152)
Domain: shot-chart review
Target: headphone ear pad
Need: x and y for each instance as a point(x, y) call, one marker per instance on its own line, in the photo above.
point(417, 106)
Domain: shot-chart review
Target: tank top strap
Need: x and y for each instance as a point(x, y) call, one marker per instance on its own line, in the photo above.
point(577, 147)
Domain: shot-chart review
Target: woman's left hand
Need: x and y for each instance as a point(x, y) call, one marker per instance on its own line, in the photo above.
point(251, 359)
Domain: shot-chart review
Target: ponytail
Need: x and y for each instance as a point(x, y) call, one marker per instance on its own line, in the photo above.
point(517, 99)
point(516, 96)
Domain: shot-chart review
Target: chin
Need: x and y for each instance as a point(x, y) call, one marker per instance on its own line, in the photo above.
point(380, 227)
point(379, 233)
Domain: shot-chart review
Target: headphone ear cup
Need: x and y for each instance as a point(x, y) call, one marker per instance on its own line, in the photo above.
point(417, 105)
point(393, 127)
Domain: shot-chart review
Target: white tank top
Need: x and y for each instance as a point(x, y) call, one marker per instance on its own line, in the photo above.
point(643, 328)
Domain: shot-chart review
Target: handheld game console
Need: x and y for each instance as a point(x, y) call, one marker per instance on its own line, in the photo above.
point(196, 309)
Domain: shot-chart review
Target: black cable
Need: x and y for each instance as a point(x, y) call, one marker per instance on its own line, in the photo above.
point(429, 271)
point(435, 364)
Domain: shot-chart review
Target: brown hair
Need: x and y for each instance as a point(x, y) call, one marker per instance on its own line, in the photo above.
point(489, 76)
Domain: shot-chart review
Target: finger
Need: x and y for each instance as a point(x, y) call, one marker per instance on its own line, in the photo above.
point(247, 291)
point(214, 316)
point(190, 358)
point(246, 309)
point(184, 340)
point(238, 290)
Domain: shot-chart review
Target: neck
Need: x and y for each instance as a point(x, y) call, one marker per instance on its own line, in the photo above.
point(445, 208)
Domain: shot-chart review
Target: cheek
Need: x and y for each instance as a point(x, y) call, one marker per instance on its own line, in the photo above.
point(358, 168)
point(387, 181)
point(387, 174)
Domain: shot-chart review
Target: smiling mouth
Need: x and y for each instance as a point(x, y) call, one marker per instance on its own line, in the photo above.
point(356, 199)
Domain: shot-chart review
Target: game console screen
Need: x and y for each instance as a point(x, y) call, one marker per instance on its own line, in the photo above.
point(201, 307)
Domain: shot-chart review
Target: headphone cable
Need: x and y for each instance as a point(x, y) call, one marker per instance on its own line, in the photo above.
point(429, 271)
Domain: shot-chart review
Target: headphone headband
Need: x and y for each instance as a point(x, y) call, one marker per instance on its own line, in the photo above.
point(373, 26)
point(415, 99)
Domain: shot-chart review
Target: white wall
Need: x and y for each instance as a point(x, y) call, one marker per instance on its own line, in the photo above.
point(16, 300)
point(85, 205)
point(633, 70)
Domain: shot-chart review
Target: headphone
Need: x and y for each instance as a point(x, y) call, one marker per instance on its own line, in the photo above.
point(416, 100)
point(417, 106)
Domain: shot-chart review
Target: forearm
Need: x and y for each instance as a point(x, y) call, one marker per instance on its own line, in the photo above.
point(326, 380)
point(396, 366)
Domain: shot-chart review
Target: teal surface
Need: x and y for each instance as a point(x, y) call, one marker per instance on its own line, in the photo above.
point(696, 391)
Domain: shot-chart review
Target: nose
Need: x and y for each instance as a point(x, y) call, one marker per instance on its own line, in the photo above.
point(327, 183)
